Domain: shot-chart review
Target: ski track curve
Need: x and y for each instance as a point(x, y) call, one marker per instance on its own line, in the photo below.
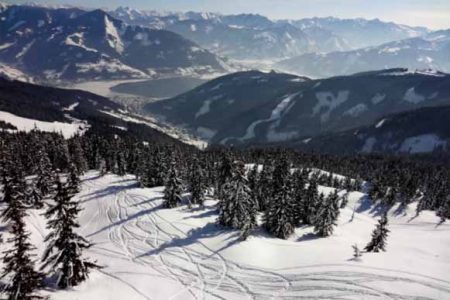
point(206, 274)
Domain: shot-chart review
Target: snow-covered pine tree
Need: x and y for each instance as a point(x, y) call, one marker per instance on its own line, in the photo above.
point(253, 177)
point(444, 211)
point(77, 154)
point(45, 175)
point(311, 202)
point(224, 173)
point(327, 215)
point(279, 217)
point(64, 253)
point(298, 181)
point(173, 188)
point(73, 180)
point(197, 183)
point(379, 236)
point(19, 272)
point(265, 188)
point(237, 209)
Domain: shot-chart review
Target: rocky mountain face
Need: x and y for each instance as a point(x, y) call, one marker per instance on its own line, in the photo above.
point(431, 51)
point(72, 44)
point(253, 107)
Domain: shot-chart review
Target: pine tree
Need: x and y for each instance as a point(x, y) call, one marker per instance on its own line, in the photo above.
point(237, 209)
point(73, 181)
point(327, 215)
point(45, 174)
point(19, 269)
point(225, 173)
point(253, 177)
point(279, 218)
point(379, 236)
point(173, 190)
point(444, 211)
point(64, 251)
point(299, 182)
point(265, 188)
point(311, 202)
point(77, 155)
point(197, 183)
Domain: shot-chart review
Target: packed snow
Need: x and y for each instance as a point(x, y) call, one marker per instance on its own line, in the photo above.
point(148, 252)
point(24, 124)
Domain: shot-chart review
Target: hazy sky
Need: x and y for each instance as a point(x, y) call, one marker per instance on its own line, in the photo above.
point(431, 13)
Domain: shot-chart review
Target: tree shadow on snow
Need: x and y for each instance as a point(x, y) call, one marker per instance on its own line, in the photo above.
point(112, 189)
point(192, 237)
point(308, 237)
point(128, 219)
point(204, 214)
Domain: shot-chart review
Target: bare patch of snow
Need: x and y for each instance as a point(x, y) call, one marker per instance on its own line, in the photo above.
point(412, 97)
point(356, 110)
point(329, 101)
point(422, 143)
point(113, 37)
point(378, 98)
point(368, 145)
point(379, 124)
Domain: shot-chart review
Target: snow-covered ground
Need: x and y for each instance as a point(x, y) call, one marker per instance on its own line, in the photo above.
point(68, 130)
point(153, 253)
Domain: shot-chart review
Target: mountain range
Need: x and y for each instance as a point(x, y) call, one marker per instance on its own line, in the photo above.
point(72, 44)
point(270, 108)
point(252, 36)
point(431, 51)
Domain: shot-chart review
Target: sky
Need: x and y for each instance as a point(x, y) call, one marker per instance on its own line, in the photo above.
point(434, 14)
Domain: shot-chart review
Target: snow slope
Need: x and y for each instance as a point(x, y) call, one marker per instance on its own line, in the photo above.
point(153, 253)
point(24, 124)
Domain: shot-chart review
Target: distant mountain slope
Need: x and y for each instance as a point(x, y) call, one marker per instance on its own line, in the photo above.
point(418, 131)
point(428, 52)
point(251, 36)
point(71, 44)
point(359, 33)
point(24, 105)
point(253, 107)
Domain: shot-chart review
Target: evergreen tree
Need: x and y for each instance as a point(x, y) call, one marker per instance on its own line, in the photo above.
point(197, 183)
point(379, 236)
point(73, 181)
point(77, 155)
point(45, 174)
point(225, 173)
point(356, 253)
point(279, 217)
point(310, 202)
point(253, 184)
point(19, 269)
point(444, 210)
point(237, 209)
point(299, 182)
point(265, 189)
point(64, 252)
point(173, 190)
point(327, 215)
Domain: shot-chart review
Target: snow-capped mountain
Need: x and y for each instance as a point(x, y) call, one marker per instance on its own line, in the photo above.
point(244, 36)
point(251, 36)
point(256, 108)
point(11, 73)
point(431, 51)
point(360, 33)
point(72, 44)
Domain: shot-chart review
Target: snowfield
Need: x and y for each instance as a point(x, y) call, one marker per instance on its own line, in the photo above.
point(153, 253)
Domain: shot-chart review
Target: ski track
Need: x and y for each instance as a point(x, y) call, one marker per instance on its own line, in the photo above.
point(205, 274)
